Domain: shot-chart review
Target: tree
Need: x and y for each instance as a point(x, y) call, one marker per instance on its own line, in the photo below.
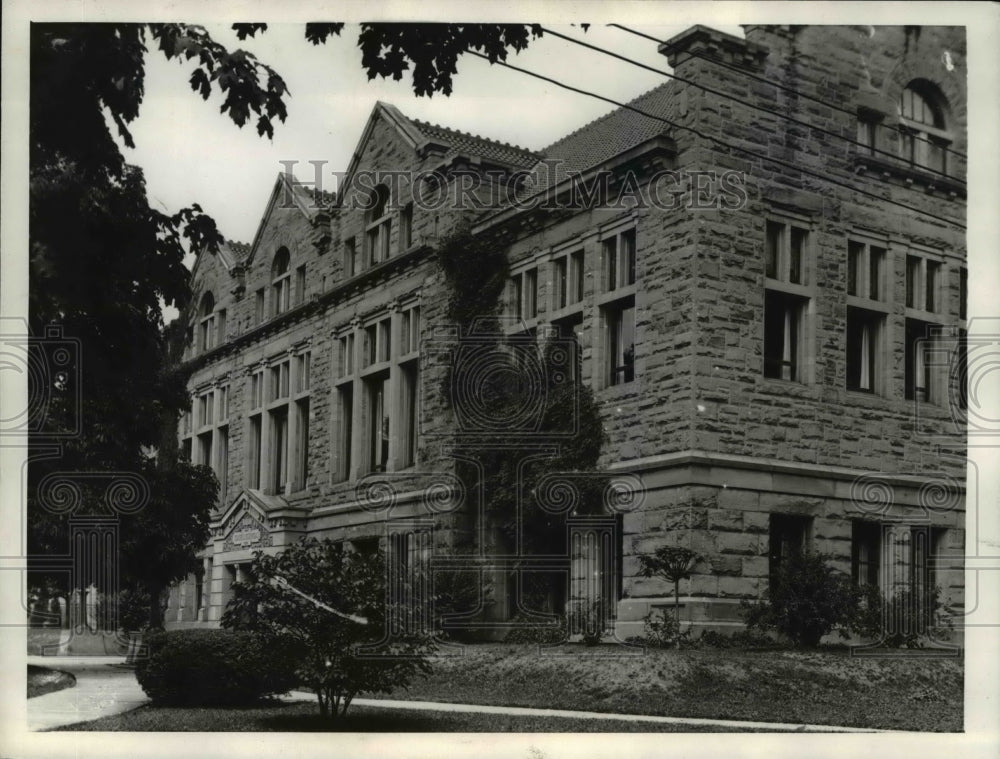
point(672, 563)
point(102, 262)
point(159, 543)
point(330, 610)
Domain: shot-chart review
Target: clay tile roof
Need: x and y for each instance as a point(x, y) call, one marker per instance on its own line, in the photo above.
point(321, 198)
point(239, 250)
point(607, 136)
point(471, 144)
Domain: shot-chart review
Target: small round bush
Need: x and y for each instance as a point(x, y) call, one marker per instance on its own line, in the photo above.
point(213, 668)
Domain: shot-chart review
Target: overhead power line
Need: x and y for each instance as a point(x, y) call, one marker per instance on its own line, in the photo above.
point(717, 141)
point(786, 88)
point(762, 109)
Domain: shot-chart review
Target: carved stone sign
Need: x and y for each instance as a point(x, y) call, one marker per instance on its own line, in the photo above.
point(248, 533)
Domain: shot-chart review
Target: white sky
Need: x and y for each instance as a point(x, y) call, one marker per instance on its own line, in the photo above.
point(193, 153)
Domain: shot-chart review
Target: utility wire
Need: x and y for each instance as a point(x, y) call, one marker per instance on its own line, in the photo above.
point(786, 88)
point(717, 141)
point(778, 114)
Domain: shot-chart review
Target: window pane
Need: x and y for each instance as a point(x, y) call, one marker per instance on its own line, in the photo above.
point(912, 280)
point(628, 257)
point(771, 249)
point(855, 251)
point(610, 264)
point(875, 258)
point(560, 282)
point(576, 261)
point(933, 268)
point(797, 246)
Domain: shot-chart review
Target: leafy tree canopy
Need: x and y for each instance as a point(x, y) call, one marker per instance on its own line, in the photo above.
point(331, 610)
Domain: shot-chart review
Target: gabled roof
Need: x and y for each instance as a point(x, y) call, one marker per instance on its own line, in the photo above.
point(464, 143)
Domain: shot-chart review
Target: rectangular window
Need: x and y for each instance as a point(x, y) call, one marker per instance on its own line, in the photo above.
point(376, 389)
point(619, 320)
point(302, 444)
point(345, 395)
point(618, 260)
point(866, 543)
point(785, 252)
point(406, 227)
point(205, 449)
point(409, 333)
point(865, 349)
point(789, 536)
point(963, 359)
point(963, 293)
point(409, 411)
point(784, 318)
point(933, 275)
point(913, 293)
point(221, 326)
point(576, 277)
point(568, 280)
point(258, 312)
point(279, 449)
point(523, 294)
point(377, 238)
point(865, 267)
point(281, 295)
point(302, 362)
point(300, 284)
point(346, 354)
point(222, 465)
point(256, 389)
point(256, 444)
point(223, 403)
point(918, 378)
point(377, 343)
point(278, 381)
point(561, 282)
point(351, 262)
point(923, 278)
point(867, 131)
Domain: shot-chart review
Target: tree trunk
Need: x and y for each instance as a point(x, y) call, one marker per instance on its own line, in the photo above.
point(677, 611)
point(155, 609)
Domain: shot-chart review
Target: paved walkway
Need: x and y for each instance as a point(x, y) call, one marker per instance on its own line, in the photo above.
point(104, 686)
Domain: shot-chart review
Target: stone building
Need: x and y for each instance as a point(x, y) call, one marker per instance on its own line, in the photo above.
point(761, 262)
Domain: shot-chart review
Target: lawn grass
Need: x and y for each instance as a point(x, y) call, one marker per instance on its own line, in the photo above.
point(820, 687)
point(303, 717)
point(823, 687)
point(42, 680)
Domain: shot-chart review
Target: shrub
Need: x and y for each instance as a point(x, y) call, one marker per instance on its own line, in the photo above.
point(907, 619)
point(530, 630)
point(213, 668)
point(741, 639)
point(662, 630)
point(807, 600)
point(589, 620)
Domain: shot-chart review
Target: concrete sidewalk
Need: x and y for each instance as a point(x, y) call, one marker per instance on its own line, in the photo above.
point(104, 686)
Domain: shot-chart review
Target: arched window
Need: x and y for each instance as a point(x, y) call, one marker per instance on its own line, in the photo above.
point(924, 135)
point(281, 281)
point(206, 323)
point(378, 226)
